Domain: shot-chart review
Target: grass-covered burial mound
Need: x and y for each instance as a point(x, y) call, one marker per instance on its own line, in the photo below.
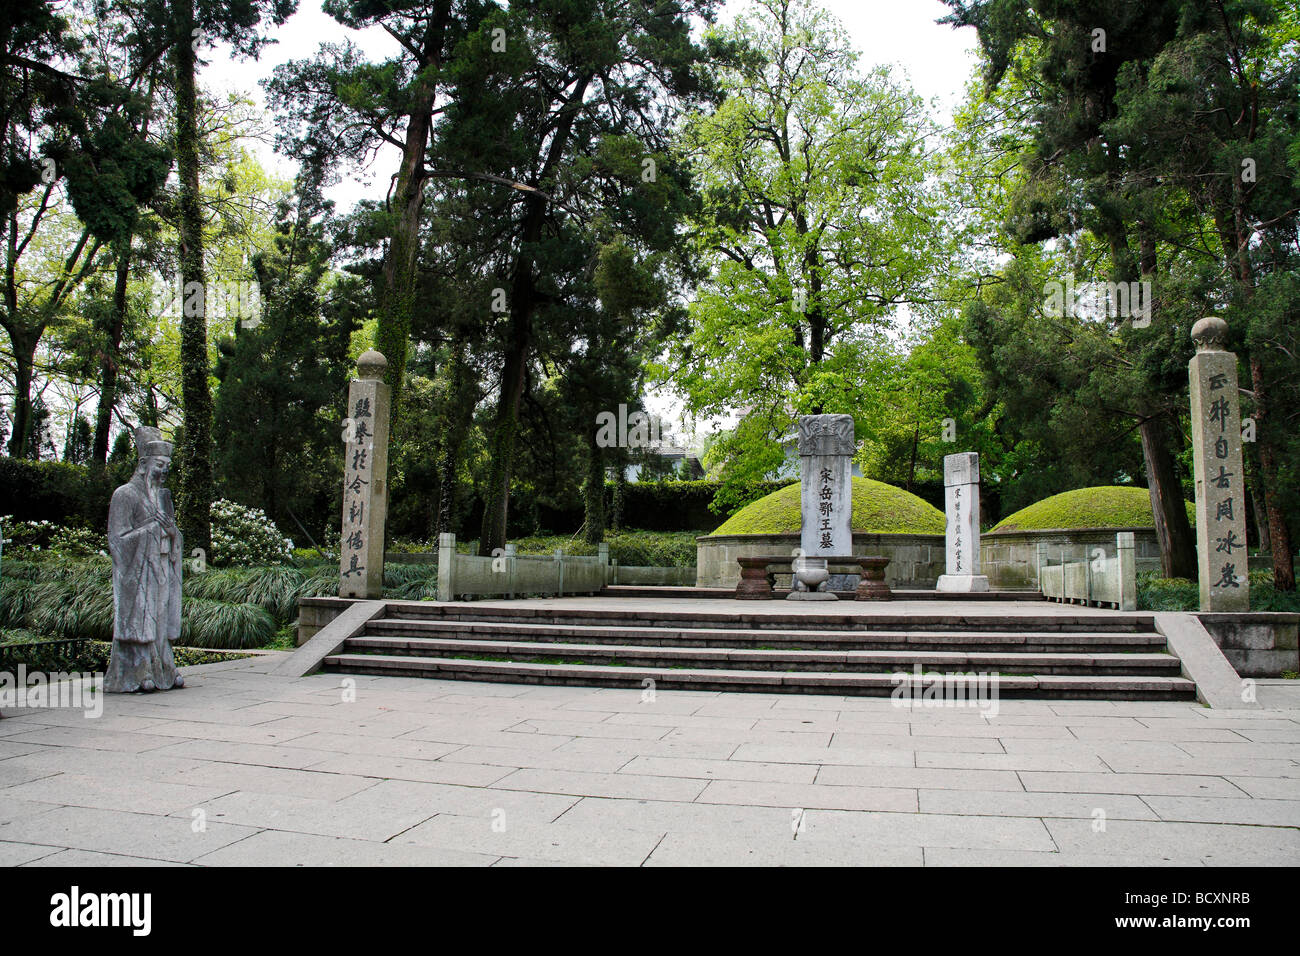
point(1107, 506)
point(878, 508)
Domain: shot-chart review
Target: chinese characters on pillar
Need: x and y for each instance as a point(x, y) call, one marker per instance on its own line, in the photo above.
point(365, 474)
point(1220, 479)
point(357, 479)
point(1223, 490)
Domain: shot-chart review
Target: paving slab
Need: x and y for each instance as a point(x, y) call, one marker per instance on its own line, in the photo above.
point(603, 846)
point(435, 772)
point(130, 834)
point(282, 848)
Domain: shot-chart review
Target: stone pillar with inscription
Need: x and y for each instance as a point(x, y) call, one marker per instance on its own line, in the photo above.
point(1216, 459)
point(826, 449)
point(365, 480)
point(961, 487)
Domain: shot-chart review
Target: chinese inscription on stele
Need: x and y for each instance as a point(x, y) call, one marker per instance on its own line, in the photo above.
point(961, 479)
point(365, 469)
point(826, 449)
point(1216, 459)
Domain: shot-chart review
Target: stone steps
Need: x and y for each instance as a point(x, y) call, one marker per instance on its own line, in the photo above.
point(775, 659)
point(1084, 654)
point(962, 687)
point(1029, 641)
point(649, 615)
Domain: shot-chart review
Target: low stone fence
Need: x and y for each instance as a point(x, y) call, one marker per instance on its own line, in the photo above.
point(1010, 559)
point(1093, 574)
point(510, 574)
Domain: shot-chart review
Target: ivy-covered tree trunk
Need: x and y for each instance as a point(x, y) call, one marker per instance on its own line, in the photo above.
point(111, 356)
point(397, 296)
point(505, 427)
point(619, 495)
point(195, 452)
point(593, 492)
point(1265, 451)
point(457, 413)
point(24, 363)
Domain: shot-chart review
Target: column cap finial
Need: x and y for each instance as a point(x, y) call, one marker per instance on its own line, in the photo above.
point(1210, 334)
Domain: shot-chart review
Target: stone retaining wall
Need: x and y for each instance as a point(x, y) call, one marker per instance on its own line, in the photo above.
point(1258, 644)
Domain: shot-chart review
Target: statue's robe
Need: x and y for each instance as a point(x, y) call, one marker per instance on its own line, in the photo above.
point(146, 589)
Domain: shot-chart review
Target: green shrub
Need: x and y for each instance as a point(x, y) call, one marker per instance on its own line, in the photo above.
point(41, 538)
point(1178, 594)
point(246, 536)
point(60, 492)
point(1155, 593)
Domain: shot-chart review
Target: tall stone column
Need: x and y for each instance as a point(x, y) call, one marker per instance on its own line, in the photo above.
point(365, 480)
point(1220, 481)
point(961, 487)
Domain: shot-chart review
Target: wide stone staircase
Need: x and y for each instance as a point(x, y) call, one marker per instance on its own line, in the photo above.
point(1075, 654)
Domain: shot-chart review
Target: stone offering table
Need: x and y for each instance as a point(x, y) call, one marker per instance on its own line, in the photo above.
point(758, 575)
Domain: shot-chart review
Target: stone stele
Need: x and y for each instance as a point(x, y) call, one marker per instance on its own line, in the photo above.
point(961, 486)
point(365, 481)
point(826, 493)
point(146, 548)
point(1216, 463)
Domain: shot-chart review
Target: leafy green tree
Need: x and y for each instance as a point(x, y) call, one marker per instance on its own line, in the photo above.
point(70, 138)
point(817, 226)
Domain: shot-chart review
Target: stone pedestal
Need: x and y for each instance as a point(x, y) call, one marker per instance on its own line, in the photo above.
point(871, 584)
point(365, 481)
point(755, 584)
point(1220, 480)
point(961, 485)
point(826, 449)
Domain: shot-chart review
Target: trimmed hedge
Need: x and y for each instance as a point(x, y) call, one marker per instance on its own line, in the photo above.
point(679, 505)
point(1105, 506)
point(878, 508)
point(59, 492)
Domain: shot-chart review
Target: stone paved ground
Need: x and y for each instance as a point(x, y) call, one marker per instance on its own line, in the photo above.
point(244, 768)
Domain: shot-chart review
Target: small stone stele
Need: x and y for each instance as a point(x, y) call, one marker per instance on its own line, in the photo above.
point(147, 550)
point(961, 480)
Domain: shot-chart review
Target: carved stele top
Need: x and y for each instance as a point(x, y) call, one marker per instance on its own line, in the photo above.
point(372, 364)
point(1210, 333)
point(826, 435)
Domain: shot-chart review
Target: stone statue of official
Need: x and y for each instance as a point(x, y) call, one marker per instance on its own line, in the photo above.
point(147, 551)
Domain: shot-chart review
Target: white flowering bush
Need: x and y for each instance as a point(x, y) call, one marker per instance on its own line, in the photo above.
point(243, 535)
point(33, 538)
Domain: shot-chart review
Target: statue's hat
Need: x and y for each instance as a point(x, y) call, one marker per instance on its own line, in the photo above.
point(149, 443)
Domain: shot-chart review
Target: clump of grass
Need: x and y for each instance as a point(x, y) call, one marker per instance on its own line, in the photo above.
point(1155, 593)
point(220, 624)
point(411, 582)
point(72, 607)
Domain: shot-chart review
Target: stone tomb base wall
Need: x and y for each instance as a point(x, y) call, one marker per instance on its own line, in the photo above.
point(1008, 559)
point(915, 560)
